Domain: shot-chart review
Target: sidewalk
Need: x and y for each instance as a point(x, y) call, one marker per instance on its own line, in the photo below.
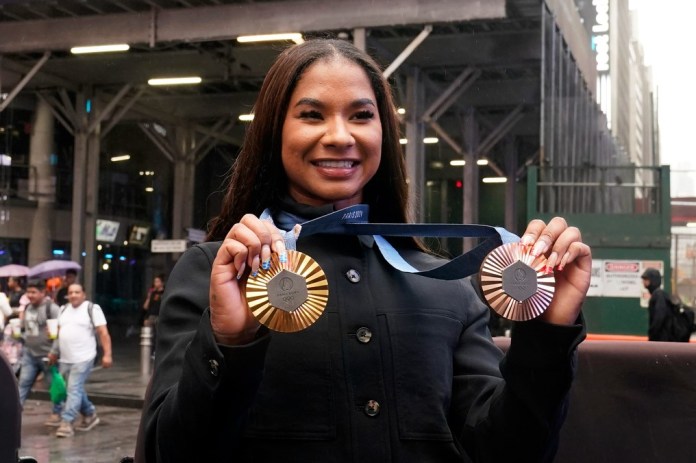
point(118, 394)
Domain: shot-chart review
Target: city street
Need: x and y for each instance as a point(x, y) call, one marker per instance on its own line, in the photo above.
point(112, 439)
point(117, 393)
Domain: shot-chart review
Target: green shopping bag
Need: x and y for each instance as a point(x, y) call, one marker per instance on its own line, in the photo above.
point(58, 389)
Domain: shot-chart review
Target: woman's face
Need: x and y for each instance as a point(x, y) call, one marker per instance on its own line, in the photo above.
point(332, 135)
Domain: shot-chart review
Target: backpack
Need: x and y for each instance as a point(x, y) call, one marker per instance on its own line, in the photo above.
point(682, 318)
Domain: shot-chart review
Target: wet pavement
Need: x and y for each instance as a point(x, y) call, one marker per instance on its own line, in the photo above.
point(116, 392)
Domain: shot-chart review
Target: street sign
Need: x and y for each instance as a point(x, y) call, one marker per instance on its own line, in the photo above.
point(168, 245)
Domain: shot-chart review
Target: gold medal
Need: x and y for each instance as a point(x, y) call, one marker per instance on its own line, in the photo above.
point(517, 285)
point(290, 296)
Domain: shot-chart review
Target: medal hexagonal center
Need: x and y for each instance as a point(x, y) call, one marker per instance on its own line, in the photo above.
point(287, 291)
point(519, 281)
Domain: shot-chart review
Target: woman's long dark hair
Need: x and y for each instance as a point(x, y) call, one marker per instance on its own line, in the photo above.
point(258, 180)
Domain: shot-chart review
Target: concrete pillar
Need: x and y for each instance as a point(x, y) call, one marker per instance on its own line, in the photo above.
point(42, 183)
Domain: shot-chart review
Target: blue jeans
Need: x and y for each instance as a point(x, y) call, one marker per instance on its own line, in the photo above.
point(76, 375)
point(32, 365)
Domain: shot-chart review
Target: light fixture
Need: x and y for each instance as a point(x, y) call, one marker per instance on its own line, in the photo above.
point(430, 140)
point(457, 162)
point(100, 49)
point(494, 179)
point(691, 224)
point(401, 111)
point(294, 36)
point(482, 162)
point(192, 80)
point(246, 117)
point(123, 157)
point(403, 141)
point(149, 189)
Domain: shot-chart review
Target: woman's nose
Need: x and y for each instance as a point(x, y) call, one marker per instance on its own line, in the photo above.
point(338, 133)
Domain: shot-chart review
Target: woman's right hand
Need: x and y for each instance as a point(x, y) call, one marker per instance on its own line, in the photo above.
point(247, 246)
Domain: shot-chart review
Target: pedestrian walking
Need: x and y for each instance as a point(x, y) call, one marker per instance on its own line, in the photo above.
point(37, 343)
point(80, 323)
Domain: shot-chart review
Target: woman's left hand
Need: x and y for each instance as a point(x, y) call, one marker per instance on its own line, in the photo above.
point(572, 262)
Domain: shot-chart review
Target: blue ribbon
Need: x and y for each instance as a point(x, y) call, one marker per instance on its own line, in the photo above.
point(353, 221)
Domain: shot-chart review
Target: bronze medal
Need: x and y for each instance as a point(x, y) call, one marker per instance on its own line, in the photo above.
point(290, 296)
point(517, 285)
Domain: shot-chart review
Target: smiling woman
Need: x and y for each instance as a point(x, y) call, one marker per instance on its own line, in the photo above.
point(392, 366)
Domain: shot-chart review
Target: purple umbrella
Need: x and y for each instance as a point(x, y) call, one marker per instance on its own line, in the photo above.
point(52, 268)
point(13, 270)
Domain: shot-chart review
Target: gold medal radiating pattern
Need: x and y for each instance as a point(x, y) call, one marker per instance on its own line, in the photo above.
point(538, 294)
point(307, 312)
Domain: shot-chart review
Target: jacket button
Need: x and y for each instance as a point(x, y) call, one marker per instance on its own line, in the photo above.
point(353, 276)
point(214, 367)
point(372, 408)
point(364, 335)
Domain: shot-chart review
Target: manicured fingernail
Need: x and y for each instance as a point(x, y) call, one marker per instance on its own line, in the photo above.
point(266, 257)
point(552, 260)
point(255, 265)
point(283, 257)
point(240, 272)
point(564, 261)
point(527, 240)
point(539, 248)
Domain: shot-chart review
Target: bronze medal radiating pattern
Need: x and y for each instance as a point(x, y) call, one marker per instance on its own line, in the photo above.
point(516, 284)
point(290, 296)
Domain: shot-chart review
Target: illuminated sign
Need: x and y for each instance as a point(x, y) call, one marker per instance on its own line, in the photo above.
point(107, 230)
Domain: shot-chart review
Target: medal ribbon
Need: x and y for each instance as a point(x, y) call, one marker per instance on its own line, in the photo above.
point(352, 220)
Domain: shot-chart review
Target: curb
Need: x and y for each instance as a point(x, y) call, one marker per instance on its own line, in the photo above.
point(111, 400)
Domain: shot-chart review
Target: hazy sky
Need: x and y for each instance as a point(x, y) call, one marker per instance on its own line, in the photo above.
point(668, 37)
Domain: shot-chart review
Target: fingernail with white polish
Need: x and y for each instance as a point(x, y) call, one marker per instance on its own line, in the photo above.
point(539, 248)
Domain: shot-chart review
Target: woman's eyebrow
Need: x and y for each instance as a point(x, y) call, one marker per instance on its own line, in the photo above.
point(309, 102)
point(316, 103)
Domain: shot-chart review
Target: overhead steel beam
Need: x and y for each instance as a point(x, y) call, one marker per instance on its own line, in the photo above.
point(480, 50)
point(450, 95)
point(403, 56)
point(501, 130)
point(224, 22)
point(122, 112)
point(103, 114)
point(18, 88)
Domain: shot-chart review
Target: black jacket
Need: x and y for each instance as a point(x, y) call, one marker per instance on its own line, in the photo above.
point(430, 365)
point(659, 312)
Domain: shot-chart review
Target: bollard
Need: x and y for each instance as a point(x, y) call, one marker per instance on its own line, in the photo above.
point(145, 350)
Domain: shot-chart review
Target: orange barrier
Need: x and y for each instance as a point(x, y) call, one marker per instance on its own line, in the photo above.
point(619, 337)
point(615, 337)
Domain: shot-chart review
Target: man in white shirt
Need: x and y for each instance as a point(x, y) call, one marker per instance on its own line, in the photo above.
point(78, 347)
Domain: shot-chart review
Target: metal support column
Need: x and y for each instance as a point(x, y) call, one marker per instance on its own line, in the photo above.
point(184, 176)
point(415, 149)
point(89, 270)
point(511, 184)
point(470, 188)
